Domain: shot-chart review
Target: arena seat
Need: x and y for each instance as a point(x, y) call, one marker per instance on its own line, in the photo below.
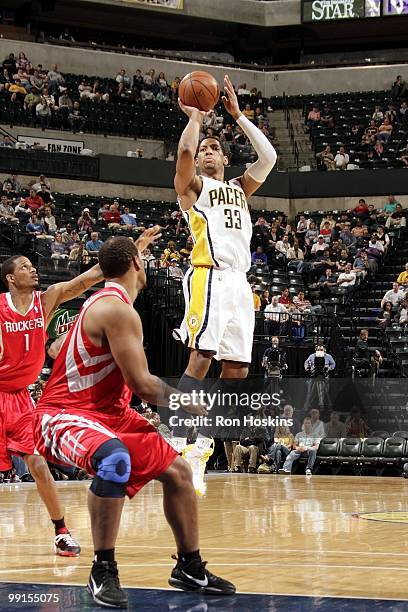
point(328, 451)
point(400, 434)
point(371, 451)
point(394, 452)
point(349, 452)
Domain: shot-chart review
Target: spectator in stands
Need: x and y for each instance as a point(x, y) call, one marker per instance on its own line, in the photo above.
point(294, 255)
point(147, 258)
point(85, 90)
point(31, 101)
point(85, 222)
point(341, 159)
point(128, 221)
point(123, 81)
point(175, 271)
point(356, 427)
point(102, 210)
point(22, 212)
point(327, 118)
point(379, 150)
point(394, 295)
point(284, 297)
point(334, 428)
point(41, 180)
point(383, 237)
point(377, 115)
point(282, 248)
point(259, 260)
point(311, 234)
point(305, 444)
point(94, 244)
point(398, 89)
point(397, 219)
point(313, 118)
point(326, 282)
point(7, 211)
point(386, 316)
point(328, 219)
point(370, 132)
point(403, 277)
point(384, 131)
point(58, 250)
point(43, 113)
point(7, 142)
point(276, 317)
point(304, 305)
point(5, 79)
point(49, 221)
point(36, 83)
point(361, 265)
point(10, 63)
point(112, 217)
point(320, 245)
point(34, 201)
point(35, 227)
point(317, 424)
point(146, 93)
point(326, 231)
point(55, 80)
point(326, 159)
point(256, 298)
point(65, 106)
point(283, 441)
point(243, 90)
point(347, 278)
point(45, 195)
point(248, 446)
point(266, 299)
point(17, 91)
point(249, 112)
point(364, 356)
point(402, 313)
point(389, 207)
point(75, 120)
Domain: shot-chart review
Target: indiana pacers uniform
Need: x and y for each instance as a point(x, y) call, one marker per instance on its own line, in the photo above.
point(219, 313)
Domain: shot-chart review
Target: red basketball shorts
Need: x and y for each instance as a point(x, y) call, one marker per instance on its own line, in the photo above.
point(73, 436)
point(16, 430)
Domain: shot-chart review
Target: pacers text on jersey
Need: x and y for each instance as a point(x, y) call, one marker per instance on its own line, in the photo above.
point(19, 326)
point(225, 194)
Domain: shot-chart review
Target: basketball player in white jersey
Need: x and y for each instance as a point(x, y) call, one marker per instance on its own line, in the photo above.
point(219, 315)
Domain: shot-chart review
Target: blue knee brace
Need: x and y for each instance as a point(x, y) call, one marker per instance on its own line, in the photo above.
point(112, 465)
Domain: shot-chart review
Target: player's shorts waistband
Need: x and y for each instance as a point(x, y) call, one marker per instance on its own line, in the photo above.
point(221, 270)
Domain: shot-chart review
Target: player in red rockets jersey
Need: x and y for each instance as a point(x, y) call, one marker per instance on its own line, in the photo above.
point(83, 418)
point(24, 314)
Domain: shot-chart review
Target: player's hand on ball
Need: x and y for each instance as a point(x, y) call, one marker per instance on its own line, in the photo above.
point(230, 99)
point(190, 110)
point(148, 237)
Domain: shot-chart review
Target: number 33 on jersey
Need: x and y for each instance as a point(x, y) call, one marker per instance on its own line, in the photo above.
point(220, 224)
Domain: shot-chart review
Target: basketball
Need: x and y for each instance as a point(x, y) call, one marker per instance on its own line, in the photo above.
point(199, 89)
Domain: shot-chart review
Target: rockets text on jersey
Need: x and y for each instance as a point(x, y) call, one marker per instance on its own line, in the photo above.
point(22, 343)
point(85, 376)
point(221, 227)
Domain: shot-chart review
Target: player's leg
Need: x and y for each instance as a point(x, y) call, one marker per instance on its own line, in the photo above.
point(20, 440)
point(81, 439)
point(111, 463)
point(180, 508)
point(65, 545)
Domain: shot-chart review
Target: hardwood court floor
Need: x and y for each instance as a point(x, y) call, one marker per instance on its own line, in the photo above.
point(270, 534)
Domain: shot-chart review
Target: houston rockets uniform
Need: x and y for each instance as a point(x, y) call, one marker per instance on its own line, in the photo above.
point(219, 313)
point(22, 354)
point(86, 403)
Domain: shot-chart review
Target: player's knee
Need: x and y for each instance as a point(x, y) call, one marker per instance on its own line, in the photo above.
point(179, 473)
point(38, 468)
point(111, 463)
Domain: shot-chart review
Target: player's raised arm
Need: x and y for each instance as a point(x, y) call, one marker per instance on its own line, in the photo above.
point(186, 183)
point(123, 330)
point(63, 292)
point(257, 173)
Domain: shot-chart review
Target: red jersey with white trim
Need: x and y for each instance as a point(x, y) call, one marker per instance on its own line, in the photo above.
point(22, 343)
point(85, 376)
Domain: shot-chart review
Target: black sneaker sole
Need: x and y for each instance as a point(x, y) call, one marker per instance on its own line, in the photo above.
point(184, 586)
point(122, 606)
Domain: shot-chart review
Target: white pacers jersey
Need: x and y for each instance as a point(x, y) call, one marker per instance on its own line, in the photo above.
point(220, 226)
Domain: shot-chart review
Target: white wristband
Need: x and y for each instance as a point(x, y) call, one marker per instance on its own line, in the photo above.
point(260, 169)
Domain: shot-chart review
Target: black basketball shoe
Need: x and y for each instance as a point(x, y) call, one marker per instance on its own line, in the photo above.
point(193, 576)
point(104, 585)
